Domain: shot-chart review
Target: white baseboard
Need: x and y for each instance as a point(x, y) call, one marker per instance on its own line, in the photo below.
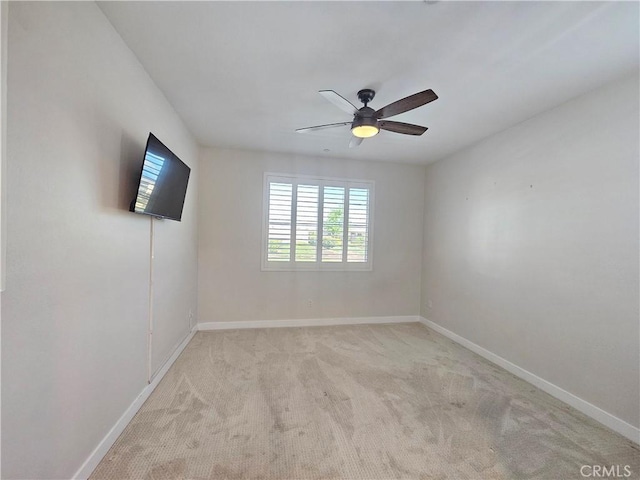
point(614, 423)
point(306, 322)
point(103, 447)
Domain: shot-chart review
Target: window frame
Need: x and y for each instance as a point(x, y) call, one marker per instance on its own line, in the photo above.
point(296, 266)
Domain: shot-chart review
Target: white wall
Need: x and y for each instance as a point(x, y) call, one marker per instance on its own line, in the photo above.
point(4, 30)
point(175, 273)
point(230, 283)
point(75, 309)
point(3, 149)
point(531, 246)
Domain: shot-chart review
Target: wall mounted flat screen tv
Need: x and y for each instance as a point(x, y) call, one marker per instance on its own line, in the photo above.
point(163, 182)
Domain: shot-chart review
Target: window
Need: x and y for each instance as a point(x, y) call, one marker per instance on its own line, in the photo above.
point(316, 223)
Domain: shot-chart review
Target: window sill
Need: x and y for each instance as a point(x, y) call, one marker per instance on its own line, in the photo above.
point(337, 267)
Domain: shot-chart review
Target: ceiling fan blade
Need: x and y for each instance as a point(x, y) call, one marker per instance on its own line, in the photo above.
point(322, 127)
point(355, 141)
point(399, 127)
point(408, 103)
point(339, 101)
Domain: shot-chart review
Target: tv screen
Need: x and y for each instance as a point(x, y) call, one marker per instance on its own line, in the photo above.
point(163, 182)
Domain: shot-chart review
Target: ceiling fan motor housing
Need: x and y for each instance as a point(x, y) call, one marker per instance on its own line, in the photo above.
point(365, 123)
point(365, 116)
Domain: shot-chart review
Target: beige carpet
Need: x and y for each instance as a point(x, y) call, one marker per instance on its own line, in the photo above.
point(352, 402)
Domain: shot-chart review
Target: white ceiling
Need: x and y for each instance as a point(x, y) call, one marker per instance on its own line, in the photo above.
point(246, 74)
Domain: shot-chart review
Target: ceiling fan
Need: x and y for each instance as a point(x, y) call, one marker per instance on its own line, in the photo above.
point(367, 122)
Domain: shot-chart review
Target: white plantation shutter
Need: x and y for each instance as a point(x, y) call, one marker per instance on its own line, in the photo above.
point(358, 225)
point(333, 224)
point(307, 223)
point(279, 236)
point(317, 223)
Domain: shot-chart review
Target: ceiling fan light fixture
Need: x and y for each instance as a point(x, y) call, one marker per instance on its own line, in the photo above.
point(365, 131)
point(364, 127)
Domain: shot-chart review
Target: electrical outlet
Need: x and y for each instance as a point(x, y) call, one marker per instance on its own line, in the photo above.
point(309, 303)
point(429, 304)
